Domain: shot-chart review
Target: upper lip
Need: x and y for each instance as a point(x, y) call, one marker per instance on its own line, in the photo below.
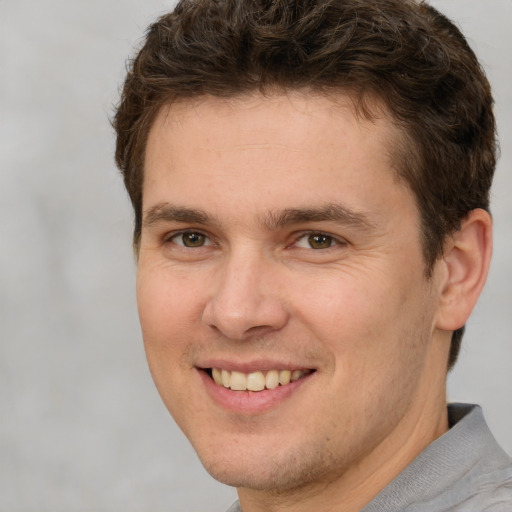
point(261, 365)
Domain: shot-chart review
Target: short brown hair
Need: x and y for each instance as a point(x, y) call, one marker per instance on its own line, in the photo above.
point(402, 52)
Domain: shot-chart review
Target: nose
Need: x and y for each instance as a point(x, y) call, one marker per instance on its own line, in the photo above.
point(245, 301)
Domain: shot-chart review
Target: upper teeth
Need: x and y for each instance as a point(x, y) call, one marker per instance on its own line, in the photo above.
point(255, 381)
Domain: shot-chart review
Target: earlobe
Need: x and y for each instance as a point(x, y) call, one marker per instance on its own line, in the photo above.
point(466, 261)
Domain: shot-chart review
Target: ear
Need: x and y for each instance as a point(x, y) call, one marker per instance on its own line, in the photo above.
point(466, 263)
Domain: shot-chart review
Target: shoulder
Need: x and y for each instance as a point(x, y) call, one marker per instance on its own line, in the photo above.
point(494, 496)
point(464, 470)
point(485, 480)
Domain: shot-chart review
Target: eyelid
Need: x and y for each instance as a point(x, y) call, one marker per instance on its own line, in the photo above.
point(338, 240)
point(210, 241)
point(170, 237)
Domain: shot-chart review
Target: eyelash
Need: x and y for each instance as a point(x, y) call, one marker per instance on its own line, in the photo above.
point(172, 238)
point(332, 240)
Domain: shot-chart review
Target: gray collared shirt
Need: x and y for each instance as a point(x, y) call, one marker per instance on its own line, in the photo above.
point(465, 470)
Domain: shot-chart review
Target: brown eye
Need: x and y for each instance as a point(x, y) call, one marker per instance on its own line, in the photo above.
point(320, 241)
point(316, 240)
point(191, 239)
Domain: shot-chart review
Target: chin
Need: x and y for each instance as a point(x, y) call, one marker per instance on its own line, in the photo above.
point(271, 473)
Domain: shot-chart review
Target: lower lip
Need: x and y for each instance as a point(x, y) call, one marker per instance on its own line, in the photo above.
point(250, 402)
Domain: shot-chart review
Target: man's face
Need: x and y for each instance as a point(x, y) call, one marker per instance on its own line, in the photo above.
point(278, 244)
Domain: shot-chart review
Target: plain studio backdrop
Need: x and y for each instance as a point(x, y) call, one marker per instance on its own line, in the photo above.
point(81, 425)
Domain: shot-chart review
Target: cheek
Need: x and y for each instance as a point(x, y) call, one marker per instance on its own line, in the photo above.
point(166, 303)
point(367, 322)
point(378, 345)
point(347, 305)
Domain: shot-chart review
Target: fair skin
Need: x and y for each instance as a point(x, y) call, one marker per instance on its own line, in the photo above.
point(277, 238)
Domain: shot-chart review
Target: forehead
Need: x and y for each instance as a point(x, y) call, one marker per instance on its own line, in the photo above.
point(261, 114)
point(311, 144)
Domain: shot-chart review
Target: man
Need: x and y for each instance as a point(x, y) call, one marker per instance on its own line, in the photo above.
point(310, 182)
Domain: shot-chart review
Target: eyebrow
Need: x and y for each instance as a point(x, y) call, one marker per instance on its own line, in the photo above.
point(165, 212)
point(273, 220)
point(333, 212)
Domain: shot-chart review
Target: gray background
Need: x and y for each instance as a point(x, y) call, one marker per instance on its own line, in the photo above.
point(82, 428)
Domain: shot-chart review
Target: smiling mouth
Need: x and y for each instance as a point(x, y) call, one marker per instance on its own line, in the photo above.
point(255, 381)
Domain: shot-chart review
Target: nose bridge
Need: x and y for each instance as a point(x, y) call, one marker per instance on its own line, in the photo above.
point(244, 300)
